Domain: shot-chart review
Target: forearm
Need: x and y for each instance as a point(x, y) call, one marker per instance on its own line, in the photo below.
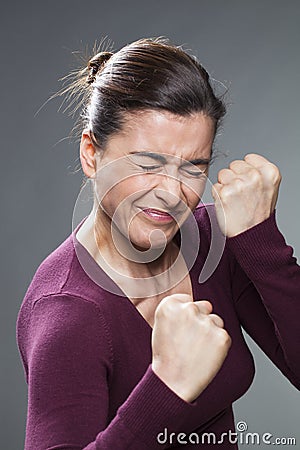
point(269, 263)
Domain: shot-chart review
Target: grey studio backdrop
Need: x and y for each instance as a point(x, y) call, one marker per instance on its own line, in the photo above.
point(250, 46)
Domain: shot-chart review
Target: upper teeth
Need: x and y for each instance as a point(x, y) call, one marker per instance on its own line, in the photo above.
point(158, 212)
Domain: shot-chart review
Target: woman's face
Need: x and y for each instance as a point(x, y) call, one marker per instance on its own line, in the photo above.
point(152, 174)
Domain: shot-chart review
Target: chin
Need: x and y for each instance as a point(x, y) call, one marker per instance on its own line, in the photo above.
point(142, 243)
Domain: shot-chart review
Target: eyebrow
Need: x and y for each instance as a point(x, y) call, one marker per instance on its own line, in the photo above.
point(161, 158)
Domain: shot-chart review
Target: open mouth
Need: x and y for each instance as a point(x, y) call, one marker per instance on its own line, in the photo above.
point(157, 215)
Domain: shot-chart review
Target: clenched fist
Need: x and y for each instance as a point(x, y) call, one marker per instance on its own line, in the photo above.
point(246, 193)
point(189, 344)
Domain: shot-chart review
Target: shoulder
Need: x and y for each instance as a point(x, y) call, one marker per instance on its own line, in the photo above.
point(66, 316)
point(57, 322)
point(52, 273)
point(66, 270)
point(64, 333)
point(61, 302)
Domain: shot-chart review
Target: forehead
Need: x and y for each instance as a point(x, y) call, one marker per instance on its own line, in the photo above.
point(163, 132)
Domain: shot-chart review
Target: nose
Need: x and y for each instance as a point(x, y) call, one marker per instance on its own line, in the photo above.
point(169, 191)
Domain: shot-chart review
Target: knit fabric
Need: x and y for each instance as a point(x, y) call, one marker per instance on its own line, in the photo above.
point(87, 352)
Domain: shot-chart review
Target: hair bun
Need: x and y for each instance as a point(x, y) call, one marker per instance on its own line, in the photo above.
point(95, 63)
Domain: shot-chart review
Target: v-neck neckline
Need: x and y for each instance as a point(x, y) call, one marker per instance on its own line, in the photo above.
point(97, 270)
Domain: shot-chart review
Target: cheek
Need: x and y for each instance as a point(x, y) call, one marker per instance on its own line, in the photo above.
point(193, 194)
point(124, 193)
point(132, 188)
point(138, 183)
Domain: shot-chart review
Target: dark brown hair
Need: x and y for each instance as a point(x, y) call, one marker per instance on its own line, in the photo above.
point(148, 74)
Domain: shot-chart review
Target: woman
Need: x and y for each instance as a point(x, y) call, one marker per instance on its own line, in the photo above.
point(122, 347)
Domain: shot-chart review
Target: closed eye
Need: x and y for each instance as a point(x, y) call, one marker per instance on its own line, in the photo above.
point(149, 168)
point(194, 173)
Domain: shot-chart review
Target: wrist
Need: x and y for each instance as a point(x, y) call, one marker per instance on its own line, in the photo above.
point(174, 382)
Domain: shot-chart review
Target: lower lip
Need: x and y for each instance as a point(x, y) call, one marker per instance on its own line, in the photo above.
point(154, 215)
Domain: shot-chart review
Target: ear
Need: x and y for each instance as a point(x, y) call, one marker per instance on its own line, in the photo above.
point(88, 154)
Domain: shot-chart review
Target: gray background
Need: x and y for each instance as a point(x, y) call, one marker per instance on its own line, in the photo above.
point(251, 46)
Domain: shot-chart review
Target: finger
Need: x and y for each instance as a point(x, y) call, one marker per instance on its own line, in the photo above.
point(269, 170)
point(204, 306)
point(225, 176)
point(256, 160)
point(240, 167)
point(218, 321)
point(216, 191)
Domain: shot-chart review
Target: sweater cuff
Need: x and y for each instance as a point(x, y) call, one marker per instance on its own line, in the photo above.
point(153, 406)
point(262, 249)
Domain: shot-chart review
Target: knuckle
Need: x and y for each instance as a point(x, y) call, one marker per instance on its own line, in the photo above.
point(255, 176)
point(193, 307)
point(223, 173)
point(217, 320)
point(250, 155)
point(190, 308)
point(226, 194)
point(224, 337)
point(170, 305)
point(235, 163)
point(196, 311)
point(204, 306)
point(165, 307)
point(238, 186)
point(274, 173)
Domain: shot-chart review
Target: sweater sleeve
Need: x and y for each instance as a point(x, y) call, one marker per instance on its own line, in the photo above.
point(266, 289)
point(69, 360)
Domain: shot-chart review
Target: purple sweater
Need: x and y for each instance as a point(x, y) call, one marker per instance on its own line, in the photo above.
point(87, 352)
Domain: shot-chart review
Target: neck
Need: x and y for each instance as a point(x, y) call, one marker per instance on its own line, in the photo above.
point(119, 252)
